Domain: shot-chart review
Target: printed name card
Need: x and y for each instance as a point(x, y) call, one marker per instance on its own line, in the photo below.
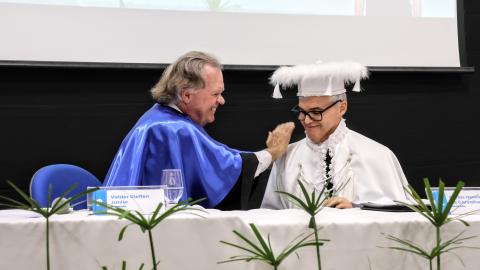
point(142, 199)
point(467, 200)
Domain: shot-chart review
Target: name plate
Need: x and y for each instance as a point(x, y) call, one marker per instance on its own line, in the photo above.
point(143, 199)
point(467, 200)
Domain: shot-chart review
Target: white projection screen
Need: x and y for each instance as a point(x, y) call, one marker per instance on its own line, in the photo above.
point(399, 33)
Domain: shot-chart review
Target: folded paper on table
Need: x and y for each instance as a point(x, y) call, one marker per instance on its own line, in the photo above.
point(394, 207)
point(467, 201)
point(144, 199)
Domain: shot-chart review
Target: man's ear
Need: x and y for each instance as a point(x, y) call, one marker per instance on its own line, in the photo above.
point(185, 95)
point(343, 107)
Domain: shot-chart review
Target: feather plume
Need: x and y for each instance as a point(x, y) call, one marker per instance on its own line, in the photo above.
point(350, 72)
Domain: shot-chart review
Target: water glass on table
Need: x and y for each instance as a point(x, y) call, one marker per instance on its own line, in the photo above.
point(172, 179)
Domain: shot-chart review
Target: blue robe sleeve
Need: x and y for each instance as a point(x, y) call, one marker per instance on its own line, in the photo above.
point(165, 139)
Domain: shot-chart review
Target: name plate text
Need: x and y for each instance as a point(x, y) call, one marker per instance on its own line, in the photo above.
point(144, 200)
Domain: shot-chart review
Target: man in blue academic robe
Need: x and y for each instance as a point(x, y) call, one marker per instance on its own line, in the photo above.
point(170, 135)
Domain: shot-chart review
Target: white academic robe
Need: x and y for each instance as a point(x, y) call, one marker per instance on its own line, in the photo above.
point(363, 170)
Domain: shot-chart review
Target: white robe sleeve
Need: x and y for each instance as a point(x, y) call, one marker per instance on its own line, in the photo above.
point(377, 174)
point(271, 199)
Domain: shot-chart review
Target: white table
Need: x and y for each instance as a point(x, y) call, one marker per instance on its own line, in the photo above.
point(183, 241)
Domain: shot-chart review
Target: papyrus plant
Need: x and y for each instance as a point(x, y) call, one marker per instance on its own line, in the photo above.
point(32, 205)
point(438, 217)
point(260, 249)
point(312, 203)
point(148, 222)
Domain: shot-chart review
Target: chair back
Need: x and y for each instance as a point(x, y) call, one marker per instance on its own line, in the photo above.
point(61, 177)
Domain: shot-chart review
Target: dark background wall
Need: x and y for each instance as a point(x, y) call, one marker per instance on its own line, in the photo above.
point(80, 115)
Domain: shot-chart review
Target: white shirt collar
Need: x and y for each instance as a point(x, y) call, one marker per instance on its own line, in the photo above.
point(175, 107)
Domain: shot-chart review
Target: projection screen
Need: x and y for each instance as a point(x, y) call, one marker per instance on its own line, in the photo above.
point(415, 33)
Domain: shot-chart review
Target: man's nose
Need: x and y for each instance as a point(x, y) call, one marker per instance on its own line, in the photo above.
point(307, 119)
point(221, 100)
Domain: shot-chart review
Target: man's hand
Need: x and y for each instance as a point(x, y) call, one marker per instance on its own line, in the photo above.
point(279, 138)
point(338, 202)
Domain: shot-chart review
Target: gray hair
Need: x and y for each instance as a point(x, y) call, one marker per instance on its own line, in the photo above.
point(334, 98)
point(186, 72)
point(342, 96)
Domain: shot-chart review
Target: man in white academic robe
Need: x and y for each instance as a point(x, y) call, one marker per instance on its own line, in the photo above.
point(354, 168)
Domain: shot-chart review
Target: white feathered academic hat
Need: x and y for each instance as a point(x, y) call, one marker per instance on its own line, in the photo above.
point(320, 79)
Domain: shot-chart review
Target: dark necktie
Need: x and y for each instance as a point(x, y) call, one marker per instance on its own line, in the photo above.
point(328, 181)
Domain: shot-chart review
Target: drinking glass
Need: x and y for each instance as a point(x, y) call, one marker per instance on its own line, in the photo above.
point(173, 181)
point(90, 199)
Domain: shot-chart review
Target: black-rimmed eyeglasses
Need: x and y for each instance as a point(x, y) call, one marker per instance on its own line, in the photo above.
point(315, 114)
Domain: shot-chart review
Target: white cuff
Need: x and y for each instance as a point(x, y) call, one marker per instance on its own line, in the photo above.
point(264, 161)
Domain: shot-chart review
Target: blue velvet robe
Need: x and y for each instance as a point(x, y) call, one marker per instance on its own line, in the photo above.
point(164, 138)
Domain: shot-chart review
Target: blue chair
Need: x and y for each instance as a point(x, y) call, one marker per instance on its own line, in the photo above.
point(61, 177)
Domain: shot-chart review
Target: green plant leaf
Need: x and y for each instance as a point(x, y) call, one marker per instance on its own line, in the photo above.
point(258, 235)
point(428, 192)
point(33, 204)
point(409, 246)
point(296, 244)
point(452, 199)
point(16, 204)
point(312, 204)
point(457, 240)
point(122, 232)
point(422, 210)
point(157, 210)
point(308, 202)
point(255, 251)
point(121, 213)
point(320, 202)
point(299, 202)
point(244, 258)
point(263, 252)
point(421, 207)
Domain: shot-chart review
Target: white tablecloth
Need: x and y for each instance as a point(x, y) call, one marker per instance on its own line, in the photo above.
point(183, 241)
